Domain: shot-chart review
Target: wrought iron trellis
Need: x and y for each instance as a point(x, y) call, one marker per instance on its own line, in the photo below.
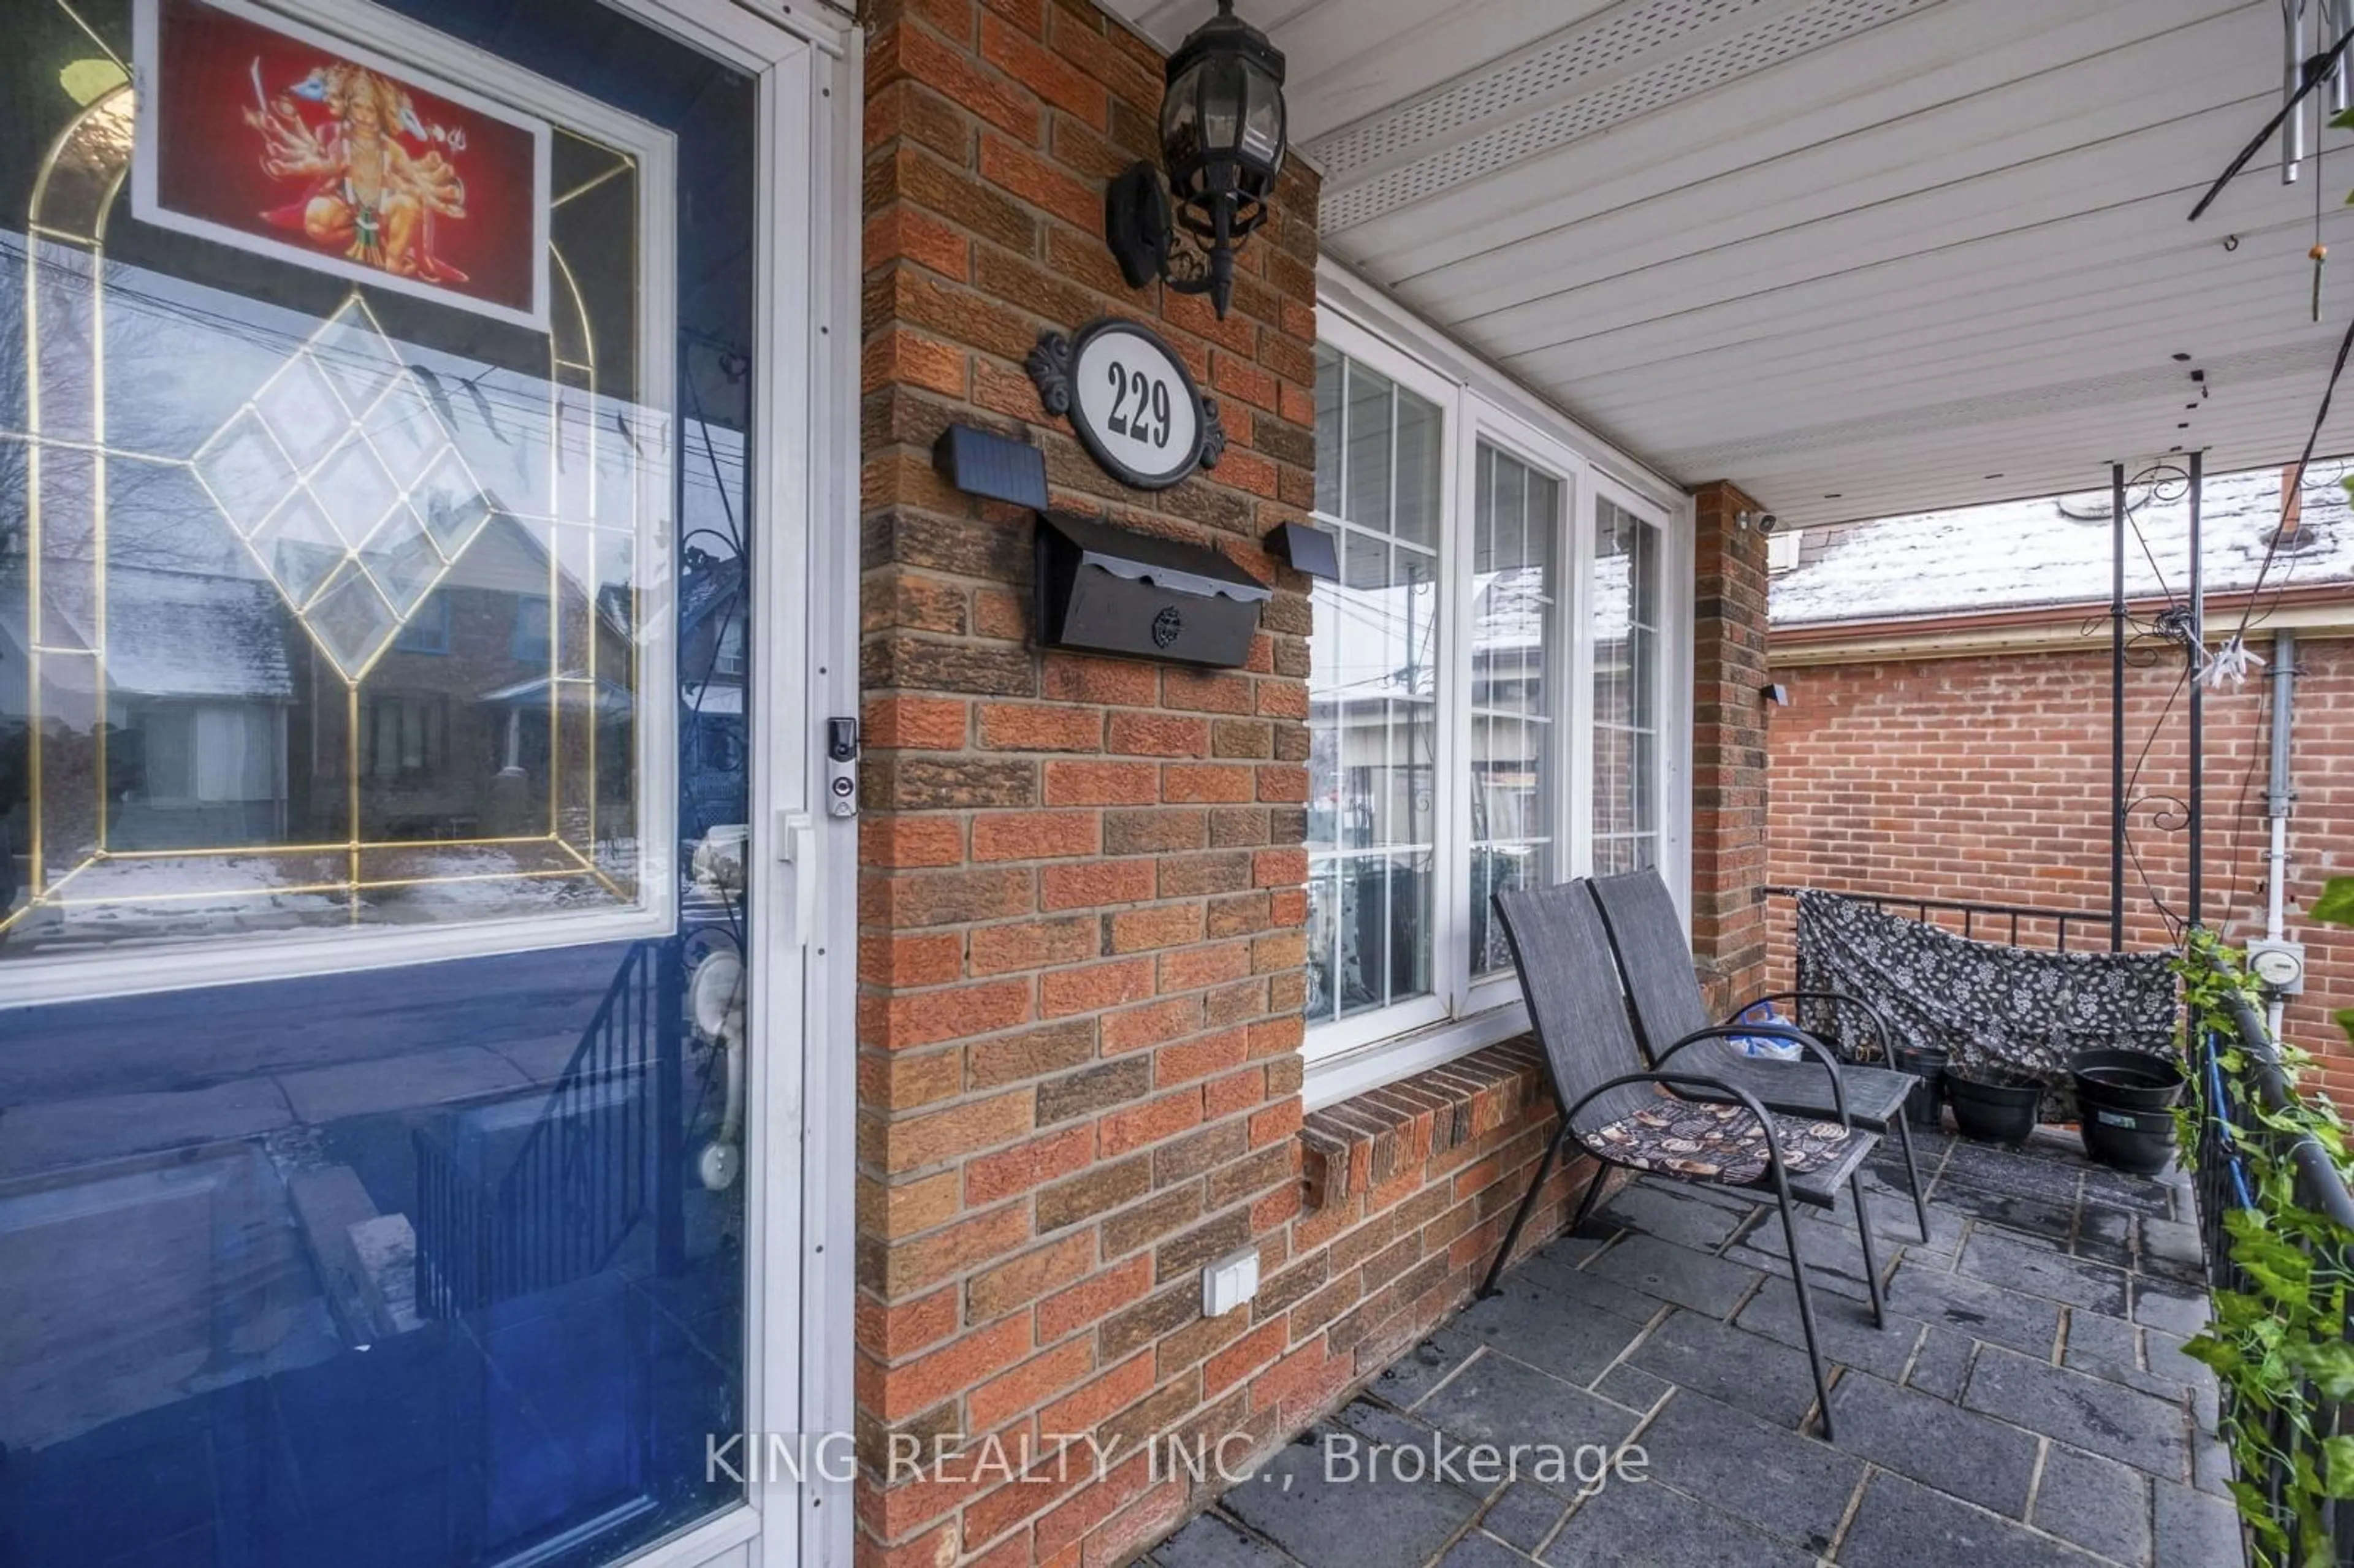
point(2181, 626)
point(2005, 918)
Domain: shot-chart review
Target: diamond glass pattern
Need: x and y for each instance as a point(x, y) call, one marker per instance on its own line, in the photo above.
point(405, 429)
point(179, 431)
point(245, 469)
point(355, 490)
point(452, 504)
point(401, 558)
point(356, 356)
point(298, 546)
point(351, 621)
point(384, 505)
point(301, 411)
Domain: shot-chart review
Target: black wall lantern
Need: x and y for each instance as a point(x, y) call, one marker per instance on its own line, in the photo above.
point(1221, 137)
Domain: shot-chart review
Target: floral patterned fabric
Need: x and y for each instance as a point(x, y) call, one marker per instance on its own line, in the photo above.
point(1716, 1142)
point(1986, 1004)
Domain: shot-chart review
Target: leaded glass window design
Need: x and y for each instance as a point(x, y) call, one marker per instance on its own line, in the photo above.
point(325, 611)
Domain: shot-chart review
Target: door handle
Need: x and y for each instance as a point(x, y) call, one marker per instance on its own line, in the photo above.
point(796, 845)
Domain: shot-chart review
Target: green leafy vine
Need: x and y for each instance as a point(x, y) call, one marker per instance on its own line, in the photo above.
point(2279, 1343)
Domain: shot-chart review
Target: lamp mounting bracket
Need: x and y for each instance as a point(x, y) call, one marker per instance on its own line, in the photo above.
point(1136, 224)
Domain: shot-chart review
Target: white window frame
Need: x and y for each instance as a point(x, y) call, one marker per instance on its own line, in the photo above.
point(1351, 1055)
point(1564, 659)
point(1675, 634)
point(1415, 377)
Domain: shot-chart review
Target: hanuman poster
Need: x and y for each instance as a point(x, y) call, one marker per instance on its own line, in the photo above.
point(259, 133)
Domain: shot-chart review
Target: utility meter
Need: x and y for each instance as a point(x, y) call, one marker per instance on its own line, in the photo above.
point(2278, 964)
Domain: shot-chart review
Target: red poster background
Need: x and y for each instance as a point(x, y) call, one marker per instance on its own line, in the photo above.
point(208, 160)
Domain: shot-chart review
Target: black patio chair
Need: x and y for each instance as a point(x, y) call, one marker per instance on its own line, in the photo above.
point(1648, 936)
point(1680, 1124)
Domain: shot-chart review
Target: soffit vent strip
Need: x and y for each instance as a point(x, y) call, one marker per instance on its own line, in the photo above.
point(1632, 59)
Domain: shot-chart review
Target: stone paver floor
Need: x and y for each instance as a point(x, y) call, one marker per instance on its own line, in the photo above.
point(2027, 1402)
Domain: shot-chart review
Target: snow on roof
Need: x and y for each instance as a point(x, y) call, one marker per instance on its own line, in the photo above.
point(171, 634)
point(2057, 551)
point(168, 635)
point(1509, 608)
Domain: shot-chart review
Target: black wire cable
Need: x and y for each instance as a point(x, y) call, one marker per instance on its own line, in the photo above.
point(2296, 485)
point(2315, 71)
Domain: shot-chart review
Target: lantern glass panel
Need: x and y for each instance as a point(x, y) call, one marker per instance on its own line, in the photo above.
point(1223, 90)
point(1180, 122)
point(1262, 141)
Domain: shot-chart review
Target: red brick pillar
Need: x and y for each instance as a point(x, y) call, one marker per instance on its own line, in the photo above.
point(1729, 779)
point(1081, 893)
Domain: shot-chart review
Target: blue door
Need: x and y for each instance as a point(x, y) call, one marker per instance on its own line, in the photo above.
point(378, 391)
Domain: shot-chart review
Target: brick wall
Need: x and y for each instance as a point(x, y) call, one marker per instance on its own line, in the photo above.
point(1081, 886)
point(1729, 779)
point(1988, 778)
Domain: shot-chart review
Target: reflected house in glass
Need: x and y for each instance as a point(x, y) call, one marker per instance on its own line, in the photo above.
point(1379, 779)
point(712, 662)
point(1627, 720)
point(1373, 696)
point(337, 706)
point(315, 629)
point(203, 688)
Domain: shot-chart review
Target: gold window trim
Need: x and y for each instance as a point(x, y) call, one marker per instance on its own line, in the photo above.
point(74, 194)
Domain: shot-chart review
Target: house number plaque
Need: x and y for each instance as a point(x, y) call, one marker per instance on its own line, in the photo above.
point(1130, 400)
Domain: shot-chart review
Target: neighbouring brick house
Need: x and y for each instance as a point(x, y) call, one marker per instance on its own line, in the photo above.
point(1949, 729)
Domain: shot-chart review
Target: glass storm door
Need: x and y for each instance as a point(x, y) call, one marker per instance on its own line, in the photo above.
point(378, 395)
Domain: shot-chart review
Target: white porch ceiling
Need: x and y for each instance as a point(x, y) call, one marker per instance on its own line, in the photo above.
point(1860, 257)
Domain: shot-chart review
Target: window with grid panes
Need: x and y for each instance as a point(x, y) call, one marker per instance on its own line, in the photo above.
point(1491, 702)
point(1628, 651)
point(1373, 695)
point(1516, 524)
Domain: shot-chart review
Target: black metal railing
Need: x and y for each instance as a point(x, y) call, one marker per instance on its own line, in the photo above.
point(499, 1216)
point(2005, 918)
point(2229, 1129)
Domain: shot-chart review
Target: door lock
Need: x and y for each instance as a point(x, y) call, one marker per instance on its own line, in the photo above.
point(842, 768)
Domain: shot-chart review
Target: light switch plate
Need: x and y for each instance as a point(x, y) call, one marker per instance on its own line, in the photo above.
point(1229, 1283)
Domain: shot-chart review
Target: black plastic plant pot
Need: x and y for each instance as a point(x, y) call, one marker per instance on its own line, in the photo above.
point(1993, 1105)
point(2125, 1080)
point(2140, 1141)
point(1926, 1064)
point(2124, 1103)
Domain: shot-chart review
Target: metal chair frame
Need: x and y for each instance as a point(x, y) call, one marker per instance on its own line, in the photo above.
point(1796, 1104)
point(1708, 1090)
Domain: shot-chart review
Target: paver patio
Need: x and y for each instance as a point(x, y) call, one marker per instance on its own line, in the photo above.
point(2027, 1403)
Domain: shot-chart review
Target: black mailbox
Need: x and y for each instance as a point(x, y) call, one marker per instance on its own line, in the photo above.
point(1108, 590)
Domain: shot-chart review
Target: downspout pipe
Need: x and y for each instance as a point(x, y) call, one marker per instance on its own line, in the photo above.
point(2117, 707)
point(2197, 792)
point(2280, 795)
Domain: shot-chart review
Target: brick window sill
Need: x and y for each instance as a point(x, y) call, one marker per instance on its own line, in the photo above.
point(1362, 1143)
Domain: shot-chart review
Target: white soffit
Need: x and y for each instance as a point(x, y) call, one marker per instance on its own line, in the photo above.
point(1862, 257)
